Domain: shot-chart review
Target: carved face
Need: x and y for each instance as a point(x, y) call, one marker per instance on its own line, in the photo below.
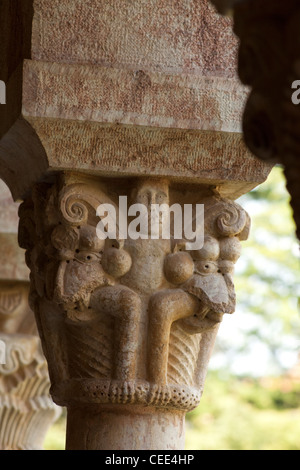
point(217, 256)
point(149, 193)
point(152, 192)
point(80, 269)
point(212, 281)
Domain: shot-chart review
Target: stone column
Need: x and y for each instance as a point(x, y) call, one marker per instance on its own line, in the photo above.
point(136, 100)
point(26, 408)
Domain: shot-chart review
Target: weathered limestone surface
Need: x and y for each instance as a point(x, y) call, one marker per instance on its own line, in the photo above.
point(162, 35)
point(26, 408)
point(153, 98)
point(155, 77)
point(135, 99)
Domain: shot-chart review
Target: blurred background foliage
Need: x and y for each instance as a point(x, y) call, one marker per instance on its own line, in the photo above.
point(251, 399)
point(246, 414)
point(263, 335)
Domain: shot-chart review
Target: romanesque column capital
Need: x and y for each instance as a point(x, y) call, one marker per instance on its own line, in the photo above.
point(128, 321)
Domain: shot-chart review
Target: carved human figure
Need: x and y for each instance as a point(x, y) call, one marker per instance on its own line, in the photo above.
point(87, 287)
point(203, 289)
point(146, 274)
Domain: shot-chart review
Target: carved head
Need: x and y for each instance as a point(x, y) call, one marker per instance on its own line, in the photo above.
point(226, 223)
point(151, 191)
point(79, 251)
point(148, 193)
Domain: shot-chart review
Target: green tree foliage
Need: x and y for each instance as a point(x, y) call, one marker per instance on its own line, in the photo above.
point(246, 414)
point(263, 336)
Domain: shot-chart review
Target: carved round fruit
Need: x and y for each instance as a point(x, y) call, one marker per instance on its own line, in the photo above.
point(230, 249)
point(116, 262)
point(179, 267)
point(209, 251)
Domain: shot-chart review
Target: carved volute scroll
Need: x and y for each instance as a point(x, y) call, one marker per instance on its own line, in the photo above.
point(127, 321)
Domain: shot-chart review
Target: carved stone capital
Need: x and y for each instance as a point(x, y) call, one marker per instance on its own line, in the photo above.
point(127, 321)
point(26, 408)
